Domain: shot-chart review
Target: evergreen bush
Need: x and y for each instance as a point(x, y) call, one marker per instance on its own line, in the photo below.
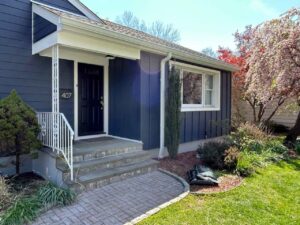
point(18, 128)
point(173, 104)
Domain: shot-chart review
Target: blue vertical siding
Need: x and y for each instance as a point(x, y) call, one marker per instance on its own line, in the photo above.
point(209, 124)
point(150, 99)
point(42, 28)
point(194, 125)
point(134, 86)
point(62, 4)
point(29, 75)
point(66, 81)
point(124, 98)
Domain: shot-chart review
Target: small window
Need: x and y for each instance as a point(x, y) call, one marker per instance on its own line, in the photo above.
point(192, 88)
point(200, 89)
point(209, 85)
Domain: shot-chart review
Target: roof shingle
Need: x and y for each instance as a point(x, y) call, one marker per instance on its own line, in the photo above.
point(111, 26)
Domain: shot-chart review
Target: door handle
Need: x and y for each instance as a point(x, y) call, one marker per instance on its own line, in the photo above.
point(102, 104)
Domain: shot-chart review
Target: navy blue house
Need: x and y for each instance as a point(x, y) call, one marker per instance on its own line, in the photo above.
point(104, 79)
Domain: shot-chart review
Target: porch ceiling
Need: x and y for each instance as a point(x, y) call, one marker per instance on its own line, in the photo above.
point(79, 39)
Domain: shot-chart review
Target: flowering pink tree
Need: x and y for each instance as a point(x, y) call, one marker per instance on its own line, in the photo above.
point(238, 58)
point(274, 62)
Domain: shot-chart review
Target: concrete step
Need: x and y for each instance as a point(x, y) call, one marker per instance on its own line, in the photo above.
point(94, 151)
point(85, 167)
point(104, 177)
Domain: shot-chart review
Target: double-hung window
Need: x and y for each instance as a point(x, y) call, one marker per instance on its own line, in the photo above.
point(200, 89)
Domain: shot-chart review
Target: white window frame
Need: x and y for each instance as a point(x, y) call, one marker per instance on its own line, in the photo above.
point(216, 95)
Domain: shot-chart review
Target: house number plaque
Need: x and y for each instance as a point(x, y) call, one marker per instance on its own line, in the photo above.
point(66, 93)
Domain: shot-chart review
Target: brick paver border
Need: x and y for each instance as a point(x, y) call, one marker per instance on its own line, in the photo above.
point(151, 212)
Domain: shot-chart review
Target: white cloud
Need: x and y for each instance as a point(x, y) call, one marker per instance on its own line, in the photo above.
point(261, 7)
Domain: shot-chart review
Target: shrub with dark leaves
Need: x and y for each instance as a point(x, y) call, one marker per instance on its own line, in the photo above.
point(213, 153)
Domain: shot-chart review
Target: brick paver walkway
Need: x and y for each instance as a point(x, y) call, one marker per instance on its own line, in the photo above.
point(116, 203)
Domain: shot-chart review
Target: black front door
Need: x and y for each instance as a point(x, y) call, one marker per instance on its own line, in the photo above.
point(90, 99)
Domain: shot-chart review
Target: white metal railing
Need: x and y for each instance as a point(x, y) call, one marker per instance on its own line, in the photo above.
point(56, 133)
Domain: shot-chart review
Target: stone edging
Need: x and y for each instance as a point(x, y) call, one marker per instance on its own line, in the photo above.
point(186, 191)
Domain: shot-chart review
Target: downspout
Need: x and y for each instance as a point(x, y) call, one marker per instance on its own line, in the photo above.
point(162, 104)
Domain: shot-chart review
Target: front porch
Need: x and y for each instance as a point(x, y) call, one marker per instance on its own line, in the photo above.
point(99, 95)
point(96, 162)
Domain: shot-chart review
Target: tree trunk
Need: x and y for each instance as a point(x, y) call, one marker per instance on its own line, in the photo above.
point(18, 153)
point(253, 108)
point(261, 113)
point(280, 102)
point(292, 135)
point(17, 163)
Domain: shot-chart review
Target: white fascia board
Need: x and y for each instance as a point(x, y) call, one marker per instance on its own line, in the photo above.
point(97, 45)
point(85, 10)
point(45, 43)
point(78, 55)
point(148, 46)
point(51, 17)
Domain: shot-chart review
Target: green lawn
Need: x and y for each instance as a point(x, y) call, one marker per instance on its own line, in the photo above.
point(270, 197)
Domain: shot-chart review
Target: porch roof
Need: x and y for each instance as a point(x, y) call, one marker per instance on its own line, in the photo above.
point(126, 42)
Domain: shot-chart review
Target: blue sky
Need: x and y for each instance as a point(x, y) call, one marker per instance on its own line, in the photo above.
point(202, 23)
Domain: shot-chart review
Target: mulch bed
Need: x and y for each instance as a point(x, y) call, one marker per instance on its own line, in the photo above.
point(25, 184)
point(186, 161)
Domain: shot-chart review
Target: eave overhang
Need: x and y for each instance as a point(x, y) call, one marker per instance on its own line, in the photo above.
point(92, 37)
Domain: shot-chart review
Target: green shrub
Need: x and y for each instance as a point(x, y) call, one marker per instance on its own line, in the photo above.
point(231, 158)
point(50, 195)
point(245, 165)
point(26, 209)
point(173, 113)
point(19, 128)
point(246, 134)
point(23, 211)
point(275, 146)
point(254, 146)
point(297, 147)
point(249, 162)
point(213, 153)
point(6, 197)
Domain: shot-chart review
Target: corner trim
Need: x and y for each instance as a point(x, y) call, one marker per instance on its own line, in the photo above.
point(85, 10)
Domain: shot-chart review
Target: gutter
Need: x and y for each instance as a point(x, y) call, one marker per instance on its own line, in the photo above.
point(162, 103)
point(179, 54)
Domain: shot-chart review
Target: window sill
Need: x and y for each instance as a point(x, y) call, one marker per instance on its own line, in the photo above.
point(194, 109)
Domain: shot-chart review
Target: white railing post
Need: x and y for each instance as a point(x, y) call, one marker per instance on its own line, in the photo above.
point(55, 96)
point(64, 143)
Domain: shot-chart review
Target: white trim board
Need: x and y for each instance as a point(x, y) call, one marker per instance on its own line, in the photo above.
point(51, 17)
point(106, 99)
point(85, 10)
point(78, 5)
point(88, 58)
point(216, 89)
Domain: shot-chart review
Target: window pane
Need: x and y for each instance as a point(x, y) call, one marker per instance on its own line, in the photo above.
point(208, 97)
point(209, 82)
point(192, 88)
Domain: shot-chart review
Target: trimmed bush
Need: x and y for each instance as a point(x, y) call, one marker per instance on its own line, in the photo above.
point(173, 104)
point(19, 128)
point(213, 153)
